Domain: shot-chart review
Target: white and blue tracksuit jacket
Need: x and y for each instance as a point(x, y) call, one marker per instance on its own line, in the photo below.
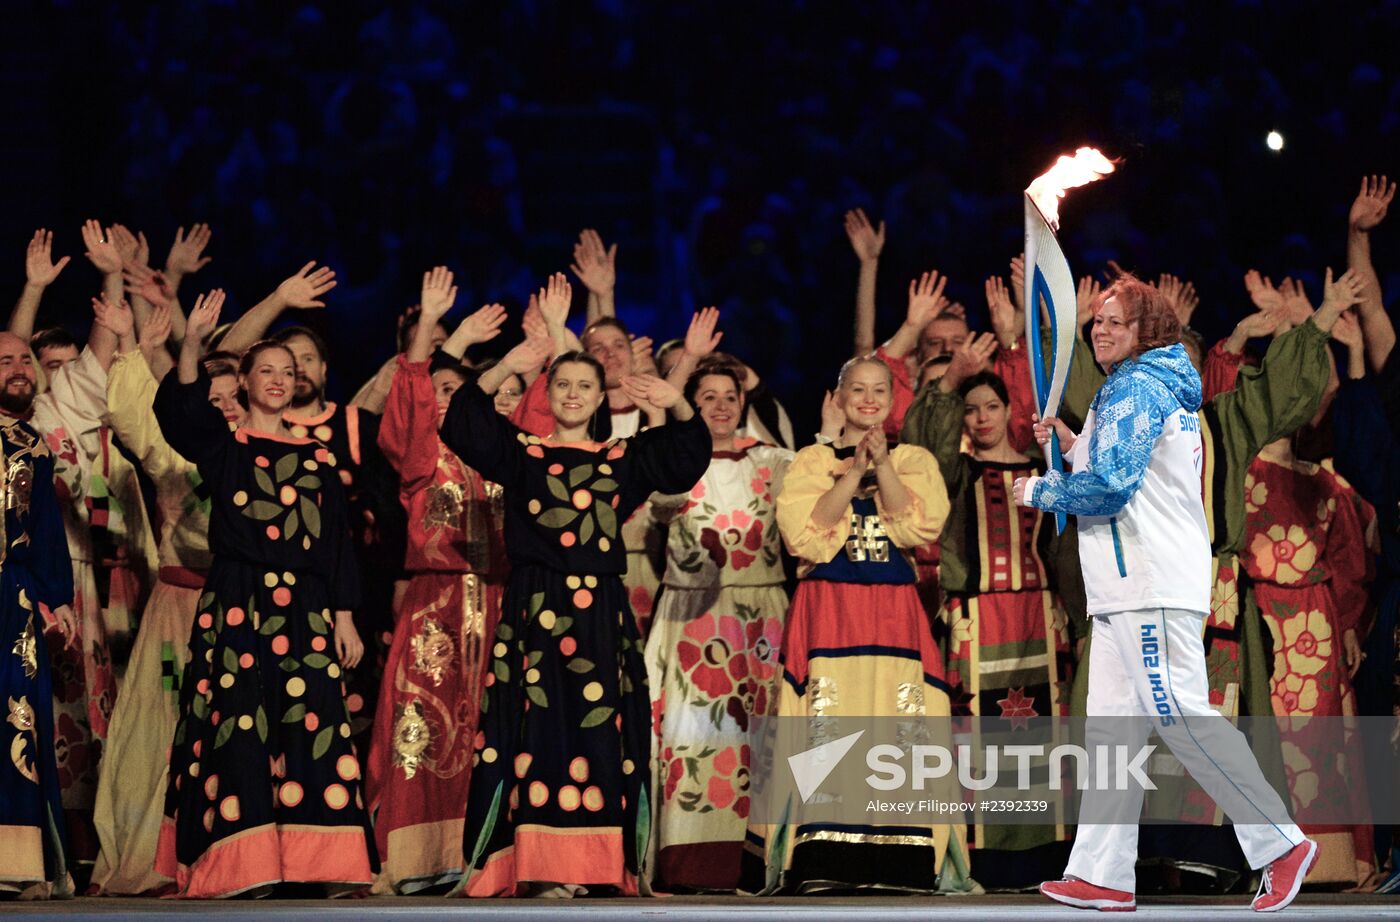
point(1135, 487)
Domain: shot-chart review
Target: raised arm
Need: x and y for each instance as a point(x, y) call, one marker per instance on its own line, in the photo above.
point(301, 291)
point(114, 329)
point(39, 272)
point(596, 267)
point(184, 259)
point(867, 242)
point(204, 317)
point(188, 421)
point(438, 295)
point(528, 355)
point(554, 300)
point(926, 302)
point(103, 254)
point(153, 337)
point(700, 340)
point(1367, 211)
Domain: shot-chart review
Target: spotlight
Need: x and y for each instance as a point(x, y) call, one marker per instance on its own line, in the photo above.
point(1274, 141)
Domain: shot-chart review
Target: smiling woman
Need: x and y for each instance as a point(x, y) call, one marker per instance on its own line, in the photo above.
point(712, 655)
point(857, 640)
point(560, 794)
point(262, 706)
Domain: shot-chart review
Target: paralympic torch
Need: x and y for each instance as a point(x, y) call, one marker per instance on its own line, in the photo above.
point(1049, 280)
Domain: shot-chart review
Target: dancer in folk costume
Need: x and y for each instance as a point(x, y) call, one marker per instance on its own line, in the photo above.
point(132, 788)
point(560, 791)
point(1305, 550)
point(36, 592)
point(69, 417)
point(712, 655)
point(857, 640)
point(350, 433)
point(1003, 626)
point(264, 781)
point(420, 762)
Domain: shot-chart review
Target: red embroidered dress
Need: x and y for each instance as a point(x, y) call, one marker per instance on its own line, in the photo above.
point(420, 761)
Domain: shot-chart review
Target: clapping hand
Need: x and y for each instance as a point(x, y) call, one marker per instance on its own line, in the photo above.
point(1262, 291)
point(877, 449)
point(833, 416)
point(1181, 296)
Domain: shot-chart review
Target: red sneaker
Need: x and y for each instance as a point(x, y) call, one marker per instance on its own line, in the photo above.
point(1083, 895)
point(1282, 878)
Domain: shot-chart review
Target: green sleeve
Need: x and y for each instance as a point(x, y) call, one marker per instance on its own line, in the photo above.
point(1269, 402)
point(935, 422)
point(1083, 383)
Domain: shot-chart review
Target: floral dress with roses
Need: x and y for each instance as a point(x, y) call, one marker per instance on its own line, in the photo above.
point(264, 780)
point(712, 660)
point(1306, 553)
point(560, 788)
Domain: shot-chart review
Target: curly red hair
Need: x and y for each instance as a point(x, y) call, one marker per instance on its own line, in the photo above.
point(1158, 324)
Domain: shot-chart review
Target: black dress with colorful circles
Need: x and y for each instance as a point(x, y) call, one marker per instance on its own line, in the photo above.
point(560, 784)
point(264, 781)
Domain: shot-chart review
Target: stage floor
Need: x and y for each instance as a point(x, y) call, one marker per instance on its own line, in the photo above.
point(673, 909)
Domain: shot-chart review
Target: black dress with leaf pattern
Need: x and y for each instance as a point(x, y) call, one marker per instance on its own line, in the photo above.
point(560, 784)
point(264, 780)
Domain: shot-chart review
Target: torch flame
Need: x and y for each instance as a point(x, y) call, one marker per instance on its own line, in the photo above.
point(1086, 166)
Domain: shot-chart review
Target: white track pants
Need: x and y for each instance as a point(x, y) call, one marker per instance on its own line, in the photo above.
point(1152, 663)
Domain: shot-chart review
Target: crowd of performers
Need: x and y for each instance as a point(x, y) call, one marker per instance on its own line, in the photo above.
point(504, 628)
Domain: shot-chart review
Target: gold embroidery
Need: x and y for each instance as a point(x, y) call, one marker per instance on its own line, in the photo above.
point(444, 507)
point(410, 739)
point(432, 651)
point(22, 718)
point(909, 698)
point(19, 485)
point(823, 693)
point(27, 649)
point(867, 540)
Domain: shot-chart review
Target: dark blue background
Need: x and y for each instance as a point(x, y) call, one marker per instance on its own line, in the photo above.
point(717, 142)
